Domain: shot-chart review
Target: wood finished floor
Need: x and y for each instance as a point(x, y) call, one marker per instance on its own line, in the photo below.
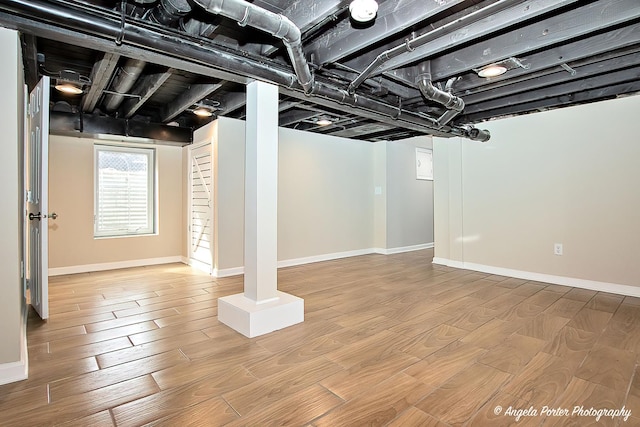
point(387, 340)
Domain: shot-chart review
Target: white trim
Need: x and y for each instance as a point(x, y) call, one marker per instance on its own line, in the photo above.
point(398, 250)
point(234, 271)
point(324, 257)
point(614, 288)
point(17, 371)
point(74, 269)
point(226, 272)
point(448, 263)
point(198, 265)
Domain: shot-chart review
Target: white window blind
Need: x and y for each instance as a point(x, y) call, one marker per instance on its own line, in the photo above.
point(124, 193)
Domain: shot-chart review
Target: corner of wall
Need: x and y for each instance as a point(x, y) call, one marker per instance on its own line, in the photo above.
point(19, 370)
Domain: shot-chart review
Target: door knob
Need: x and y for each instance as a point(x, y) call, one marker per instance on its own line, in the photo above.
point(53, 215)
point(37, 216)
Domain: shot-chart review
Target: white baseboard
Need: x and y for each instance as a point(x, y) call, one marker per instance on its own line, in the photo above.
point(449, 263)
point(398, 250)
point(198, 265)
point(226, 272)
point(593, 285)
point(59, 271)
point(324, 257)
point(19, 370)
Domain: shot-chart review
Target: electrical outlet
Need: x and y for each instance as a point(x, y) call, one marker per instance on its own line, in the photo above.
point(557, 248)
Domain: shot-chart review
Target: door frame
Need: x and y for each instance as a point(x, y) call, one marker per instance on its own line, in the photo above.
point(211, 269)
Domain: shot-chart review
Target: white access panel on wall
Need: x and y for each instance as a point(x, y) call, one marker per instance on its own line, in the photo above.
point(201, 207)
point(424, 164)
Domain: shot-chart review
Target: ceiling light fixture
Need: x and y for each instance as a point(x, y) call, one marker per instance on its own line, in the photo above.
point(363, 10)
point(69, 88)
point(492, 70)
point(205, 108)
point(324, 122)
point(203, 112)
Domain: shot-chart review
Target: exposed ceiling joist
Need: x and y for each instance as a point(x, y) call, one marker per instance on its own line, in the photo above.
point(557, 90)
point(345, 40)
point(194, 94)
point(558, 77)
point(101, 74)
point(554, 30)
point(296, 116)
point(308, 13)
point(365, 129)
point(31, 59)
point(485, 21)
point(561, 100)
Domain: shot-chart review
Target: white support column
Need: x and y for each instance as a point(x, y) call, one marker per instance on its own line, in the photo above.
point(261, 308)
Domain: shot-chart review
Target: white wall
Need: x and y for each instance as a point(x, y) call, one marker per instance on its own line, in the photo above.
point(12, 331)
point(71, 195)
point(327, 205)
point(325, 194)
point(565, 176)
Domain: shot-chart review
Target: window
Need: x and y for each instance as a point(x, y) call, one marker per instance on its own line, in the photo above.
point(124, 191)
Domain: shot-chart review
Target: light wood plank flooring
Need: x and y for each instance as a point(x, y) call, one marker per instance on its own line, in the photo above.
point(387, 340)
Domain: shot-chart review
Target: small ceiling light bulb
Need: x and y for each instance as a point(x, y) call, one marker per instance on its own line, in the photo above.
point(493, 70)
point(69, 89)
point(324, 122)
point(363, 10)
point(203, 112)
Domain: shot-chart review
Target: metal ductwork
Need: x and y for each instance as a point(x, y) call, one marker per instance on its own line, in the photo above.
point(453, 104)
point(279, 26)
point(124, 80)
point(169, 11)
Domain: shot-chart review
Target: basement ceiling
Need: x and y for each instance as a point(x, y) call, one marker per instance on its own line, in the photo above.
point(146, 65)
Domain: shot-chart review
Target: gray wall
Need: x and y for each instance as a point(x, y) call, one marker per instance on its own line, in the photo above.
point(11, 215)
point(409, 204)
point(565, 176)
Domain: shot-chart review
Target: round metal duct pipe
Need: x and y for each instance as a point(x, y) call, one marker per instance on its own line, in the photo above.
point(124, 80)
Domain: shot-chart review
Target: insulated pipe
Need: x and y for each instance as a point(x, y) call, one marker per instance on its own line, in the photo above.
point(123, 81)
point(279, 26)
point(70, 21)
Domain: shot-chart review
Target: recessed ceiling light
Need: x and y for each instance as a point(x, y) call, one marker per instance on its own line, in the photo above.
point(363, 10)
point(69, 88)
point(203, 112)
point(324, 122)
point(492, 70)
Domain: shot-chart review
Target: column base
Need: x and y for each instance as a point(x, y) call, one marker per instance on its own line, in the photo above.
point(253, 319)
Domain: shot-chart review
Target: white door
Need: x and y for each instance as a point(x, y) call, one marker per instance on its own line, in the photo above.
point(201, 208)
point(37, 189)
